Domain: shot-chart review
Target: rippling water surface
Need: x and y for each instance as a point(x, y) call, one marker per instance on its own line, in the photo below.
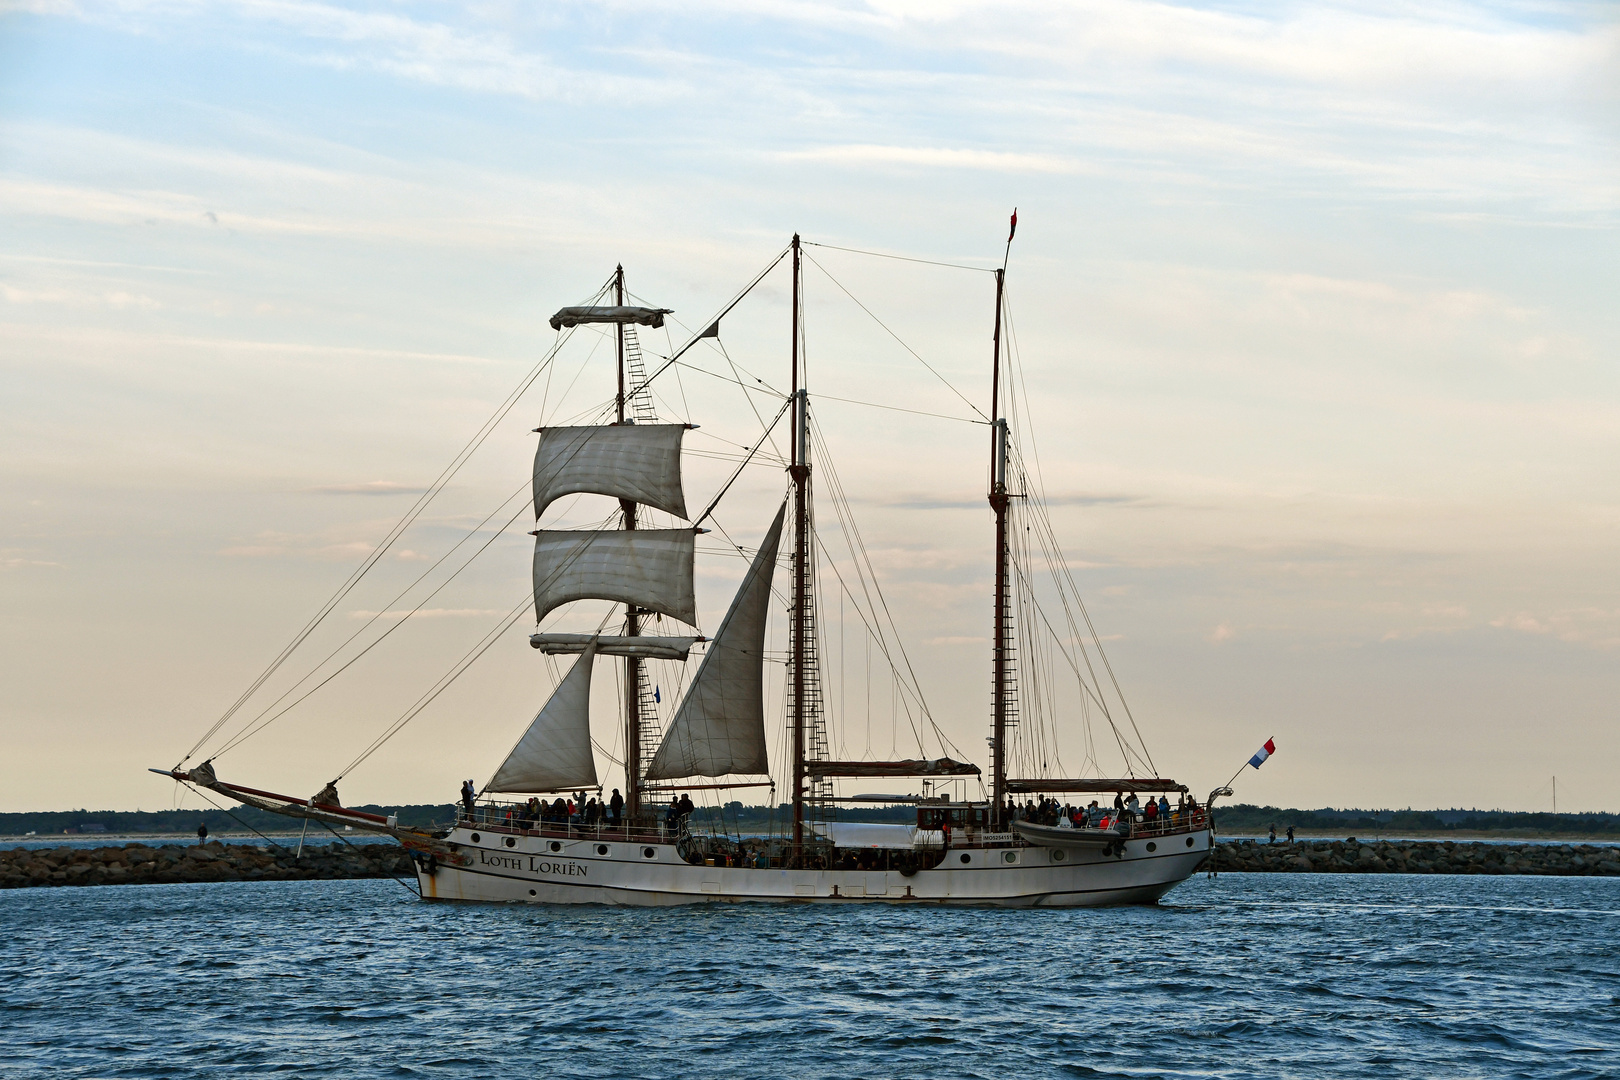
point(1245, 975)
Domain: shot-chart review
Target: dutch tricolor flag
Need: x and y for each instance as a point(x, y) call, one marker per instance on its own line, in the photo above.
point(1266, 751)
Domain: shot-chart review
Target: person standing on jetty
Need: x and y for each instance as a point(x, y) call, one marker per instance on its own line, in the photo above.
point(202, 834)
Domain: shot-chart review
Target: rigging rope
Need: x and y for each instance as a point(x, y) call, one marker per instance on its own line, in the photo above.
point(902, 258)
point(388, 541)
point(455, 672)
point(252, 730)
point(897, 338)
point(369, 622)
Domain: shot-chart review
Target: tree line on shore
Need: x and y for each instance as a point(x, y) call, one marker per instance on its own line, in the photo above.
point(1238, 818)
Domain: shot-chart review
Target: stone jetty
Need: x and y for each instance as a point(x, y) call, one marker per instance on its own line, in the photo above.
point(139, 864)
point(1352, 856)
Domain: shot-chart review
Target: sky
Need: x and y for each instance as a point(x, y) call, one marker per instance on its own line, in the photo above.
point(1315, 333)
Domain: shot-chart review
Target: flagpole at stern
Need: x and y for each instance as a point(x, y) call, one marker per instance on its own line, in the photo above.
point(1267, 750)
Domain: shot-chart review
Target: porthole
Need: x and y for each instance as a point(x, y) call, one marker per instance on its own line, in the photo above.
point(556, 846)
point(601, 849)
point(1009, 856)
point(531, 892)
point(1057, 855)
point(967, 859)
point(1152, 846)
point(511, 841)
point(648, 853)
point(475, 838)
point(1189, 841)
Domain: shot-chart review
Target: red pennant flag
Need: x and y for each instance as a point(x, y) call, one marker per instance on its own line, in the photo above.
point(1014, 228)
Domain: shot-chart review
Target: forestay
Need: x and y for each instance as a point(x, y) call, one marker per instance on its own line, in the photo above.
point(639, 462)
point(555, 753)
point(650, 568)
point(720, 726)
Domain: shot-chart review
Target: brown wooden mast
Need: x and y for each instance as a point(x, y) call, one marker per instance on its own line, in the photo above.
point(800, 471)
point(1003, 614)
point(632, 624)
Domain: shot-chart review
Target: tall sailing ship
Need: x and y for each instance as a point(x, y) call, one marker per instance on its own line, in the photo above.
point(973, 840)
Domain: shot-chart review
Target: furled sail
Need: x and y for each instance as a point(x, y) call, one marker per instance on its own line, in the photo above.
point(644, 647)
point(555, 753)
point(720, 726)
point(574, 316)
point(650, 568)
point(639, 462)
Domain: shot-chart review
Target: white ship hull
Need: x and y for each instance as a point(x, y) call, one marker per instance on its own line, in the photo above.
point(541, 870)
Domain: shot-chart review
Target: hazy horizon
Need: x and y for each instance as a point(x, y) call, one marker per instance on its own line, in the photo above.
point(1313, 303)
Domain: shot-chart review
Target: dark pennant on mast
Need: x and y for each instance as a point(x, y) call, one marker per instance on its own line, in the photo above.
point(1003, 613)
point(632, 624)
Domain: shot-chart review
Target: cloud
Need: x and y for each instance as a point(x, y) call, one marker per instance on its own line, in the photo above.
point(430, 613)
point(12, 562)
point(370, 487)
point(1582, 626)
point(276, 546)
point(117, 299)
point(934, 157)
point(1222, 633)
point(904, 502)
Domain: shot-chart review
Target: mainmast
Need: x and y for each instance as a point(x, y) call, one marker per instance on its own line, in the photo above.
point(800, 472)
point(632, 624)
point(1003, 612)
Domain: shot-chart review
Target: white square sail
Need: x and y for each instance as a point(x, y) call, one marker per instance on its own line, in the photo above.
point(650, 568)
point(639, 462)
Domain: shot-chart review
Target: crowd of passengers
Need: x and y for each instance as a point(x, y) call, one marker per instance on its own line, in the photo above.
point(577, 811)
point(1126, 809)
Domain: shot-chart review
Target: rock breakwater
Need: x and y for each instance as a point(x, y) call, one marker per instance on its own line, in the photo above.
point(1352, 856)
point(139, 864)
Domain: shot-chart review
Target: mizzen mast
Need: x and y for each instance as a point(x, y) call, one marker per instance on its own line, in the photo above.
point(1002, 647)
point(799, 470)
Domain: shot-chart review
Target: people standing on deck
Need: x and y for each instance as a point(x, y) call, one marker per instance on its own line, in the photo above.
point(1164, 808)
point(467, 796)
point(672, 814)
point(617, 805)
point(1133, 805)
point(1150, 813)
point(684, 811)
point(1119, 803)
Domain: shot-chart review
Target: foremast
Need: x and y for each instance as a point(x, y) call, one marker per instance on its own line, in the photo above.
point(632, 621)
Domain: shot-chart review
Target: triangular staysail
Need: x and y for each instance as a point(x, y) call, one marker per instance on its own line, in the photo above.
point(555, 753)
point(720, 726)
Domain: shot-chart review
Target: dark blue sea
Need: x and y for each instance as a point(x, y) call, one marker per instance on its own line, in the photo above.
point(1377, 976)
